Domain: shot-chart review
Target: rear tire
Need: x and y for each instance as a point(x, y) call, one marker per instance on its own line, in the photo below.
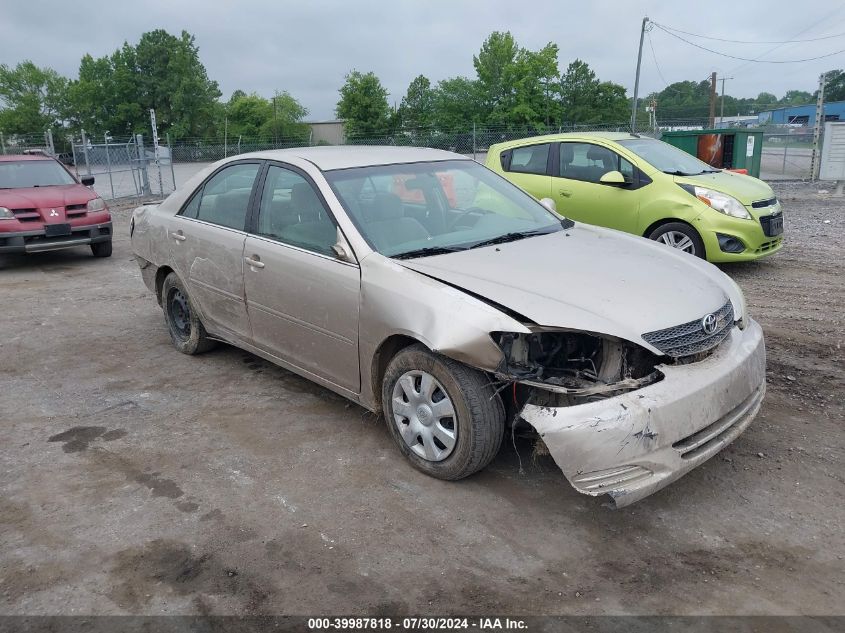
point(439, 443)
point(101, 249)
point(681, 236)
point(186, 330)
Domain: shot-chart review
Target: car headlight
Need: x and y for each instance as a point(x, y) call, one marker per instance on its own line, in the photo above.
point(6, 214)
point(97, 204)
point(721, 202)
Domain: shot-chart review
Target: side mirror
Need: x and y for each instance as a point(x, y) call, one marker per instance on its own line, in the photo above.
point(87, 180)
point(342, 250)
point(614, 179)
point(549, 204)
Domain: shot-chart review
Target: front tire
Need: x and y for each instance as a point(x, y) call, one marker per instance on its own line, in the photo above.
point(681, 236)
point(445, 417)
point(186, 330)
point(101, 249)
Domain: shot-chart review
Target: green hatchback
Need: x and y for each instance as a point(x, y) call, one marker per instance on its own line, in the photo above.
point(647, 187)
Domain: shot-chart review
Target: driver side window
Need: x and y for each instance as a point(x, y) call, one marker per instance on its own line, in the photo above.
point(588, 162)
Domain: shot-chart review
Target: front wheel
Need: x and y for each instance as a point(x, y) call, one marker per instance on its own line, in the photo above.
point(101, 249)
point(445, 417)
point(681, 236)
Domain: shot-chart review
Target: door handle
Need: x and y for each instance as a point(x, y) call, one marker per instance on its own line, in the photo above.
point(565, 192)
point(254, 261)
point(178, 236)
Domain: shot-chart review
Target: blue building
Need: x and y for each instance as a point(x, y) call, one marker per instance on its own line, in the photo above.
point(803, 114)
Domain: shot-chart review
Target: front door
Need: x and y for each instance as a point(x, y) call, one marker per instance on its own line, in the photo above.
point(302, 300)
point(528, 168)
point(579, 194)
point(207, 242)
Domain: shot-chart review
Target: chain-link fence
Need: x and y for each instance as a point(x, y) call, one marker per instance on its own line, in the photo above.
point(787, 153)
point(125, 168)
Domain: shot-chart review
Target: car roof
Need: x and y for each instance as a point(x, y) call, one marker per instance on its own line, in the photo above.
point(7, 158)
point(569, 136)
point(327, 158)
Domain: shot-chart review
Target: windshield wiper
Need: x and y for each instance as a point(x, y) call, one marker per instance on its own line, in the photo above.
point(428, 250)
point(510, 237)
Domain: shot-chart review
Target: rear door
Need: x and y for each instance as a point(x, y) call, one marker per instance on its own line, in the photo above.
point(528, 167)
point(579, 194)
point(302, 299)
point(207, 243)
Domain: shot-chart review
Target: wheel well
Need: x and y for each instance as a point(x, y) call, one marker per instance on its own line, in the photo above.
point(391, 346)
point(161, 275)
point(660, 223)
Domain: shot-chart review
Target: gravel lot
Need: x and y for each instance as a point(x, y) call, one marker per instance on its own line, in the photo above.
point(134, 479)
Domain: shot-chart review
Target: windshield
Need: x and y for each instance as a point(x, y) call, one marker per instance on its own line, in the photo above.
point(418, 209)
point(33, 173)
point(665, 157)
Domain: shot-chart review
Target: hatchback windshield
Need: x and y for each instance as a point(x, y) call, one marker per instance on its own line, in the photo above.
point(418, 209)
point(666, 158)
point(33, 173)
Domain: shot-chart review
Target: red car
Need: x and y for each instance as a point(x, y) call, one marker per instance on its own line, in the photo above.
point(43, 207)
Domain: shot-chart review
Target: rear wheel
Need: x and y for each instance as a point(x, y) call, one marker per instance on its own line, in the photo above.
point(186, 330)
point(101, 249)
point(679, 235)
point(445, 417)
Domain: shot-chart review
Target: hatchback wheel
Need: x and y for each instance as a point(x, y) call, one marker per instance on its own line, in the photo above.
point(186, 330)
point(681, 236)
point(445, 417)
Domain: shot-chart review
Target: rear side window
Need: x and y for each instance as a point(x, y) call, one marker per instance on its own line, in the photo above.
point(224, 199)
point(532, 159)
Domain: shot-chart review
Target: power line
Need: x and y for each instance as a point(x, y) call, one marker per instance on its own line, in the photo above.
point(721, 39)
point(748, 59)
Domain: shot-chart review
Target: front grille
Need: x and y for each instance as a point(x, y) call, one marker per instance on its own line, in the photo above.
point(764, 203)
point(26, 215)
point(690, 338)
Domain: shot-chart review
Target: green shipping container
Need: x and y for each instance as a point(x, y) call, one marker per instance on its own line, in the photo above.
point(729, 148)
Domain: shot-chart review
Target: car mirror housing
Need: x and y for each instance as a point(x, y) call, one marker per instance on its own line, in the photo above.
point(87, 180)
point(613, 178)
point(549, 204)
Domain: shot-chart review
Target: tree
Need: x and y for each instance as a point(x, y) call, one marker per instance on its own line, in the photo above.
point(457, 103)
point(254, 117)
point(285, 121)
point(417, 107)
point(363, 105)
point(495, 68)
point(32, 98)
point(834, 88)
point(796, 97)
point(585, 99)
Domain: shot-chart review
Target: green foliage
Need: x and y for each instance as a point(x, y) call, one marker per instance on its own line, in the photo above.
point(834, 88)
point(32, 98)
point(363, 105)
point(585, 99)
point(417, 107)
point(457, 103)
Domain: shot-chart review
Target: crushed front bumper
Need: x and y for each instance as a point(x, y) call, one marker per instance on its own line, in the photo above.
point(37, 242)
point(632, 445)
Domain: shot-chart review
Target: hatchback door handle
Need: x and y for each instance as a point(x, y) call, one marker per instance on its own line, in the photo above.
point(254, 261)
point(565, 192)
point(178, 236)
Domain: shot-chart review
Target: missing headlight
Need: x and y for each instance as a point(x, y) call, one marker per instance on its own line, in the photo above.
point(578, 365)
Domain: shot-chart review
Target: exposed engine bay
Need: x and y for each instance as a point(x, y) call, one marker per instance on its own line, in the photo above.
point(573, 367)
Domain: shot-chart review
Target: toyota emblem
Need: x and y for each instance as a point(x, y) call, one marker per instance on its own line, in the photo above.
point(708, 324)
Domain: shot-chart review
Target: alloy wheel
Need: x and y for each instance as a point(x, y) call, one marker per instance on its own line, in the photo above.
point(678, 240)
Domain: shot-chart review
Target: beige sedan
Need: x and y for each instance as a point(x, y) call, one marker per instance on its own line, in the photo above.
point(420, 284)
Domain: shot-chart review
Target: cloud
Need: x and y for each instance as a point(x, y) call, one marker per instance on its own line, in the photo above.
point(306, 48)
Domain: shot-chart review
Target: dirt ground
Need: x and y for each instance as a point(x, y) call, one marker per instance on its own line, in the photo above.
point(134, 479)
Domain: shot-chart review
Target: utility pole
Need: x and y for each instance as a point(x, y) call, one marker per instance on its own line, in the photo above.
point(637, 79)
point(815, 158)
point(722, 110)
point(712, 100)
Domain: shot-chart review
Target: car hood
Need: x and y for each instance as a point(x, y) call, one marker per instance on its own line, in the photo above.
point(746, 189)
point(40, 197)
point(588, 278)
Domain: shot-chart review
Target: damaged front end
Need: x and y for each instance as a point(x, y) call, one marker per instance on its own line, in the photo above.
point(621, 421)
point(565, 368)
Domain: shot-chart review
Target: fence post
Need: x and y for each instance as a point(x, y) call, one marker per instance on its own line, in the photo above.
point(2, 143)
point(785, 148)
point(473, 140)
point(142, 164)
point(172, 171)
point(108, 163)
point(85, 152)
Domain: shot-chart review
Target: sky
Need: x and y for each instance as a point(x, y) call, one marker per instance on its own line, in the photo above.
point(307, 46)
